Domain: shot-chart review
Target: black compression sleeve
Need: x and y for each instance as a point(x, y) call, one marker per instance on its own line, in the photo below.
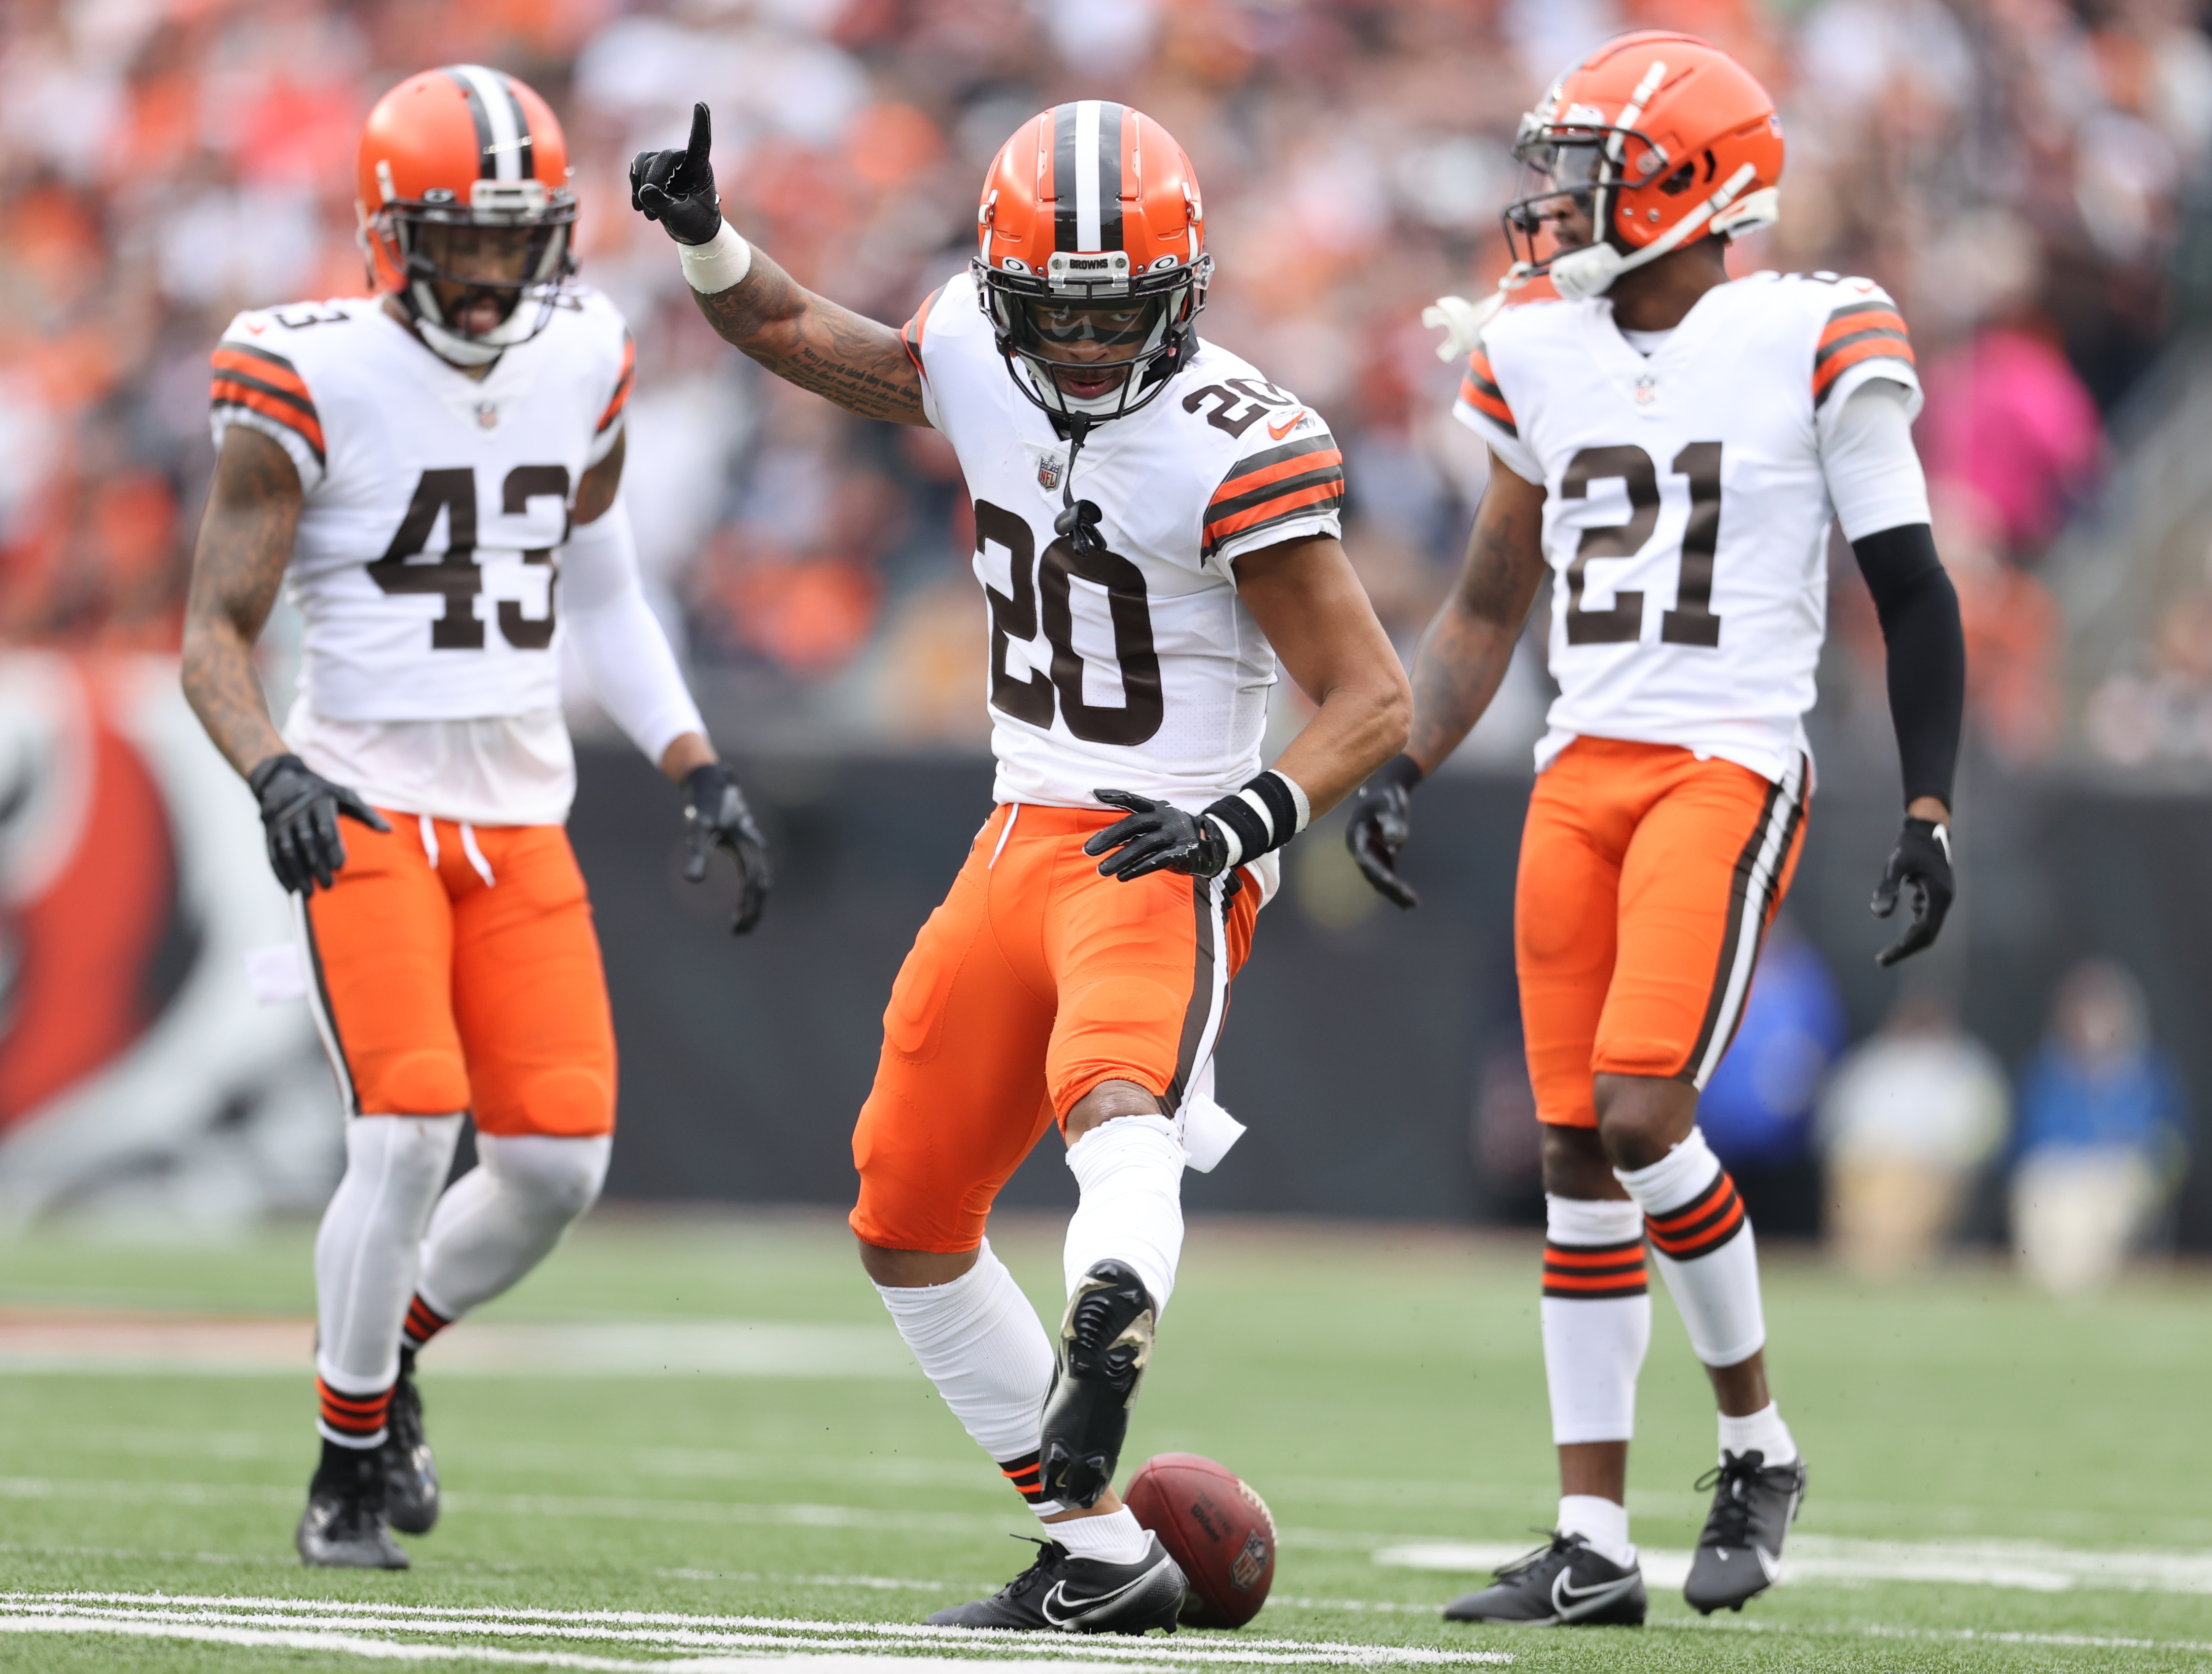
point(1919, 612)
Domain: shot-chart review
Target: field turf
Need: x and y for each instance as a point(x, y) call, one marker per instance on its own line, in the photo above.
point(2044, 1467)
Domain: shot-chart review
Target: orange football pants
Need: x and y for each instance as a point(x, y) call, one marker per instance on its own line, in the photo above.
point(1034, 982)
point(1648, 879)
point(462, 973)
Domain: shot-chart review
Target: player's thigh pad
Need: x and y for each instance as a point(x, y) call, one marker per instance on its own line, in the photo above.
point(530, 993)
point(379, 943)
point(1142, 970)
point(1709, 864)
point(959, 1094)
point(1565, 901)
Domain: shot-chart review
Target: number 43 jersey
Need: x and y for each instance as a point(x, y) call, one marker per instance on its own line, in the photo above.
point(1138, 669)
point(433, 501)
point(1687, 511)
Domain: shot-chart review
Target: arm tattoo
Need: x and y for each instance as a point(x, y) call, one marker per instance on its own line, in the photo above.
point(246, 541)
point(859, 363)
point(1464, 655)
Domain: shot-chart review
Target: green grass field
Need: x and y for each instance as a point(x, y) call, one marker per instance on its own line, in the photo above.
point(2047, 1466)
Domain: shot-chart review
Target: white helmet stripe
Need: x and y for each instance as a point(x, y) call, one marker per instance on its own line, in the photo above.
point(502, 116)
point(1086, 174)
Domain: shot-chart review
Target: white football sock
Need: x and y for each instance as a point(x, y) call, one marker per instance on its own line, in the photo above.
point(1600, 1522)
point(1763, 1430)
point(1117, 1537)
point(366, 1251)
point(1702, 1239)
point(1130, 1169)
point(981, 1344)
point(504, 1216)
point(1596, 1311)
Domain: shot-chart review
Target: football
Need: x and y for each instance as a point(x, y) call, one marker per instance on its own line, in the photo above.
point(1216, 1528)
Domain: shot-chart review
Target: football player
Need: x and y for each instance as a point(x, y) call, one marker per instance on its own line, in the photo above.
point(1155, 524)
point(434, 469)
point(1674, 445)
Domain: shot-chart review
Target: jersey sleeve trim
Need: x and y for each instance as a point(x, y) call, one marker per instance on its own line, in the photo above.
point(620, 399)
point(1300, 480)
point(1857, 333)
point(1480, 389)
point(269, 386)
point(910, 333)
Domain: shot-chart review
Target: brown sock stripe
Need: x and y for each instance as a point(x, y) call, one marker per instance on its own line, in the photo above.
point(424, 1322)
point(1594, 1272)
point(353, 1415)
point(1701, 1227)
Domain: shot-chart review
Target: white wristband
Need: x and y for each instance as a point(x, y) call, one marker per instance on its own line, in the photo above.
point(717, 264)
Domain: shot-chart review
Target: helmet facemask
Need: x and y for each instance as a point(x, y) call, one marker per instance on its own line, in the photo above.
point(481, 279)
point(1092, 348)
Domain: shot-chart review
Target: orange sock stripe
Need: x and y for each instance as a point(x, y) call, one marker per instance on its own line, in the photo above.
point(1588, 1287)
point(1594, 1255)
point(353, 1415)
point(1698, 1208)
point(423, 1321)
point(1723, 1222)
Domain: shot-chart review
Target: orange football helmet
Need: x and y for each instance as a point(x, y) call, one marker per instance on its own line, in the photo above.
point(1091, 239)
point(467, 147)
point(1663, 139)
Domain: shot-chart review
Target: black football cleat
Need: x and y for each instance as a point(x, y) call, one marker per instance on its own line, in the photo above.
point(1559, 1586)
point(343, 1526)
point(1105, 1342)
point(1063, 1593)
point(1740, 1553)
point(411, 1474)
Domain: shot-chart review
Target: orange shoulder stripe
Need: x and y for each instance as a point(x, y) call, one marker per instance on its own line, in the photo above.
point(1267, 512)
point(620, 398)
point(233, 393)
point(910, 333)
point(1274, 466)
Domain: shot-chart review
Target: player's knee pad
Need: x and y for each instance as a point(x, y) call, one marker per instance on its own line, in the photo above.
point(566, 1103)
point(420, 1082)
point(548, 1177)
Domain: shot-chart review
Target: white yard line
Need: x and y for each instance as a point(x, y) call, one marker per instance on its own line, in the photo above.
point(2034, 1566)
point(673, 1630)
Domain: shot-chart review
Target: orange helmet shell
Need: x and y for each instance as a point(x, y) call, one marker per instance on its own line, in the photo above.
point(460, 139)
point(1686, 119)
point(1091, 193)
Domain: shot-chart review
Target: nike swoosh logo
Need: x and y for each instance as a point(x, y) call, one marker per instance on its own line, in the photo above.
point(257, 329)
point(1570, 1600)
point(1082, 1606)
point(1278, 431)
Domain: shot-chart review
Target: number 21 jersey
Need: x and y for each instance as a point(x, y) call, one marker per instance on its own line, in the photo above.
point(1138, 669)
point(1686, 513)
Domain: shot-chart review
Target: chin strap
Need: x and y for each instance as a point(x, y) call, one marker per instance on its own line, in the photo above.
point(1077, 521)
point(1589, 272)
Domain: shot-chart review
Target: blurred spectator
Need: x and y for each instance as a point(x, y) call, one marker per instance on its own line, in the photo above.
point(1910, 1116)
point(2102, 1134)
point(2164, 715)
point(1757, 1110)
point(165, 162)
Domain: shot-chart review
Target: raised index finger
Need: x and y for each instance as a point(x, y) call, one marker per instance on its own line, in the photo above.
point(703, 136)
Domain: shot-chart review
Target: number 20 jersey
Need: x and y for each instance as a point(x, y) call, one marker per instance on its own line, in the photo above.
point(1686, 515)
point(433, 502)
point(1138, 669)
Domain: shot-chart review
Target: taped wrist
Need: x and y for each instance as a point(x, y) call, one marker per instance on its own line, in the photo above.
point(717, 264)
point(1265, 814)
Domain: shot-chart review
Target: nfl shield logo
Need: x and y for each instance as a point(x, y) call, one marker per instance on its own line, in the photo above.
point(1048, 470)
point(1647, 390)
point(487, 415)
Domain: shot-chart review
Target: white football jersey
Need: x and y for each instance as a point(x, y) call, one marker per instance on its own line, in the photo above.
point(1139, 670)
point(434, 503)
point(1687, 517)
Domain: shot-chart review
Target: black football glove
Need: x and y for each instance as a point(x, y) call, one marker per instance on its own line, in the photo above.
point(1156, 836)
point(1381, 819)
point(299, 811)
point(715, 816)
point(1921, 862)
point(676, 188)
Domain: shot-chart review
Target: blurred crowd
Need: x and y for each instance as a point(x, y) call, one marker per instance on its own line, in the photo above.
point(1902, 1147)
point(2019, 172)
